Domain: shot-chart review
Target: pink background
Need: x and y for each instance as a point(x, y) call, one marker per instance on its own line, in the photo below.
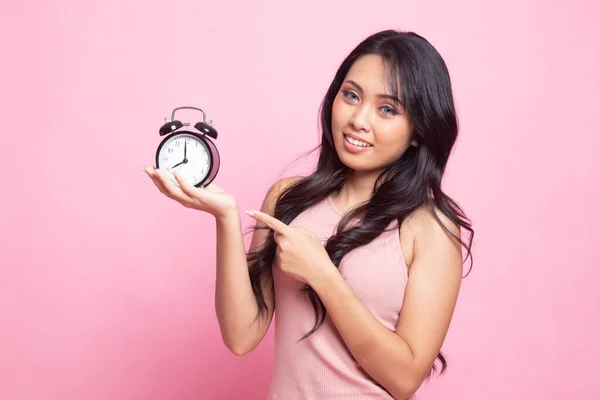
point(106, 286)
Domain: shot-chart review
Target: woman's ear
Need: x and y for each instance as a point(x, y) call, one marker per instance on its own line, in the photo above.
point(414, 143)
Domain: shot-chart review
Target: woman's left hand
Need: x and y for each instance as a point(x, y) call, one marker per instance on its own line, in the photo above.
point(299, 251)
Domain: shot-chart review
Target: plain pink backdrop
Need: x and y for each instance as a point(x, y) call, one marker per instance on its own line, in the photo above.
point(106, 286)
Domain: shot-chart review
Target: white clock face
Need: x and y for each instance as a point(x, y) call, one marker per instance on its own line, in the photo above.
point(187, 155)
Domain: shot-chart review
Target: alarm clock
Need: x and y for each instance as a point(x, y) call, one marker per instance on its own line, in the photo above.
point(188, 150)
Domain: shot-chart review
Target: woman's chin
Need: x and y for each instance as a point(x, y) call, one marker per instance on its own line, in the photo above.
point(361, 167)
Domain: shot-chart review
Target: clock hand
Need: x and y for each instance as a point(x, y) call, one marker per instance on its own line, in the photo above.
point(185, 160)
point(178, 164)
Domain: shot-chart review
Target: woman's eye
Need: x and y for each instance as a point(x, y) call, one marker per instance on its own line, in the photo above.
point(387, 110)
point(350, 95)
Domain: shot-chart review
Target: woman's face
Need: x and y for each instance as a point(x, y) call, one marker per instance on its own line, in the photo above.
point(370, 127)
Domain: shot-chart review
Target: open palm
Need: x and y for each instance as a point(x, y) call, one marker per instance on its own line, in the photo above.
point(211, 199)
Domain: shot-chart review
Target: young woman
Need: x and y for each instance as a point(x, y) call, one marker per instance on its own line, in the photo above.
point(363, 258)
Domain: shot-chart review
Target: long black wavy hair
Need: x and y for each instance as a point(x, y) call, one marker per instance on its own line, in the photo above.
point(412, 181)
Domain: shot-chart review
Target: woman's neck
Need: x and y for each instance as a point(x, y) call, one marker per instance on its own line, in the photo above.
point(357, 189)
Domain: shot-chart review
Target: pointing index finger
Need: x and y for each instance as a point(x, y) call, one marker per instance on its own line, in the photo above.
point(270, 221)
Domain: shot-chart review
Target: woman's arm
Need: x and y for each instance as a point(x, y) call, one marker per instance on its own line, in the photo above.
point(235, 303)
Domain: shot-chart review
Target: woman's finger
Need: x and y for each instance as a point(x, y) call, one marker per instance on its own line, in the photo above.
point(172, 191)
point(277, 237)
point(156, 181)
point(189, 190)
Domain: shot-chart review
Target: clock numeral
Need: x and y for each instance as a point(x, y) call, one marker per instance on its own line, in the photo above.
point(177, 143)
point(170, 150)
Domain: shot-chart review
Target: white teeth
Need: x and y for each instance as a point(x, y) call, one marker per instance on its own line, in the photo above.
point(357, 142)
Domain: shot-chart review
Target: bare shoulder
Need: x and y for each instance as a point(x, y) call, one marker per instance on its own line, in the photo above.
point(276, 190)
point(425, 222)
point(424, 231)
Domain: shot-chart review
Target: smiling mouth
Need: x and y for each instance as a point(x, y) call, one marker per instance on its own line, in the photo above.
point(356, 142)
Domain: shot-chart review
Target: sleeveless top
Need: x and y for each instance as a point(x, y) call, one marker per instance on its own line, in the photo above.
point(321, 366)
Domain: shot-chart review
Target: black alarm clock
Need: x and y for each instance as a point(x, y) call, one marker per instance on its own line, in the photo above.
point(188, 151)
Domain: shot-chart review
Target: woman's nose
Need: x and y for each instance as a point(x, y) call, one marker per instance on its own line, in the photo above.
point(361, 119)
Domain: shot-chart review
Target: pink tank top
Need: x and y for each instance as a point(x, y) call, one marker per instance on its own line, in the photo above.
point(321, 366)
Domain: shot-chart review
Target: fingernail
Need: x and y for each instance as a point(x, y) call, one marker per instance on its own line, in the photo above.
point(249, 212)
